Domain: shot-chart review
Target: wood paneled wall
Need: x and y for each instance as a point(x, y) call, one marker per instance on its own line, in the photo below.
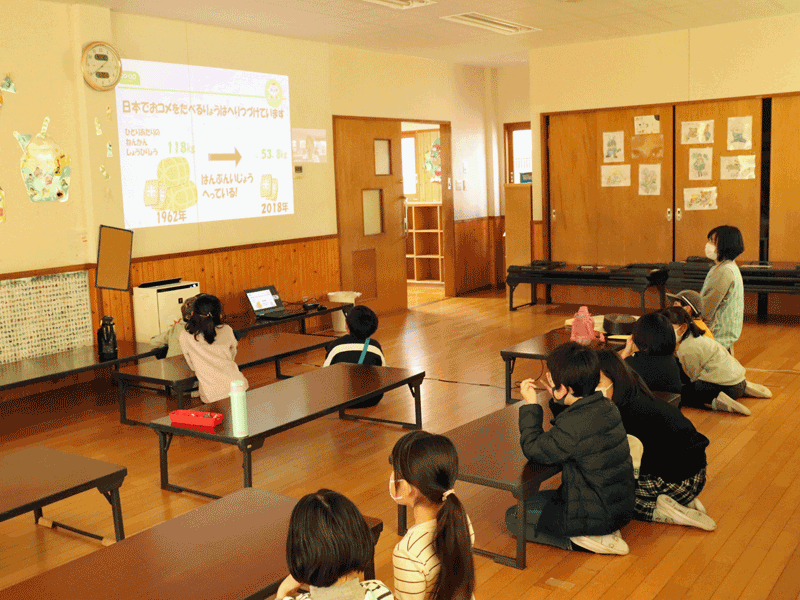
point(479, 253)
point(297, 268)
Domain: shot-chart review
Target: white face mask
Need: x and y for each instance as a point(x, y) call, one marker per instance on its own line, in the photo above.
point(605, 390)
point(711, 251)
point(393, 487)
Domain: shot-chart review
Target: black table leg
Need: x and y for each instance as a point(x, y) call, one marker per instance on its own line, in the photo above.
point(123, 413)
point(180, 396)
point(37, 514)
point(247, 466)
point(662, 294)
point(278, 373)
point(548, 299)
point(511, 297)
point(112, 495)
point(509, 370)
point(643, 305)
point(303, 325)
point(522, 522)
point(416, 391)
point(164, 441)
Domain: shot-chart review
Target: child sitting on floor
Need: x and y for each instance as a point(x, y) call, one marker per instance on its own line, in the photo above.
point(673, 467)
point(596, 496)
point(716, 379)
point(650, 352)
point(328, 548)
point(358, 347)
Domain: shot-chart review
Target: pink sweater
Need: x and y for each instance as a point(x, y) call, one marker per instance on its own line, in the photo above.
point(213, 364)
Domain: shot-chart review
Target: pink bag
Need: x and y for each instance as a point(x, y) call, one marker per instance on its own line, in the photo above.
point(583, 328)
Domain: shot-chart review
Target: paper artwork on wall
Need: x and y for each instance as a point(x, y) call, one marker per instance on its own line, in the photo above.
point(700, 198)
point(740, 133)
point(700, 163)
point(647, 147)
point(616, 175)
point(44, 166)
point(97, 129)
point(109, 150)
point(309, 145)
point(104, 172)
point(613, 146)
point(650, 180)
point(2, 206)
point(697, 132)
point(108, 113)
point(8, 85)
point(647, 124)
point(737, 167)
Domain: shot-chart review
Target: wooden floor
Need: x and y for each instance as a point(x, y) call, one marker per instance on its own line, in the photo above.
point(419, 294)
point(753, 490)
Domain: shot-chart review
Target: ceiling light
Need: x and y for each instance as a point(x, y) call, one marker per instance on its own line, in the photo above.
point(475, 19)
point(401, 4)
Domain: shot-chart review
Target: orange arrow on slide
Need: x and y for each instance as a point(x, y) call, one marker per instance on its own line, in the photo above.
point(235, 156)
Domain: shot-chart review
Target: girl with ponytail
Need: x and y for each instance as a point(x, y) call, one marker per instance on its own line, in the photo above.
point(209, 348)
point(433, 561)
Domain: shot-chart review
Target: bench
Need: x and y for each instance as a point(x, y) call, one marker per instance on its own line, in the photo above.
point(234, 548)
point(175, 374)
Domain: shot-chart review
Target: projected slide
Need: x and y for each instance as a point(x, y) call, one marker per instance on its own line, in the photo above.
point(200, 144)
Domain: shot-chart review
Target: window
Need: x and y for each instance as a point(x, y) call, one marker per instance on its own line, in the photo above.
point(519, 144)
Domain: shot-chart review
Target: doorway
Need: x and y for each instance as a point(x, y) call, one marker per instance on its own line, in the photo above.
point(394, 211)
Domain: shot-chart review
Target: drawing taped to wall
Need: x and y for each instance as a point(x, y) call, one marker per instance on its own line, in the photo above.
point(700, 163)
point(650, 180)
point(646, 124)
point(737, 167)
point(615, 175)
point(614, 146)
point(700, 198)
point(697, 132)
point(740, 133)
point(647, 147)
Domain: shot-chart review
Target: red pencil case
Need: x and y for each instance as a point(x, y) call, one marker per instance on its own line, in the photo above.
point(195, 417)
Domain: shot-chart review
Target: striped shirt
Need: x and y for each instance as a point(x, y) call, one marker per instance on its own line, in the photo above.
point(723, 302)
point(348, 349)
point(416, 565)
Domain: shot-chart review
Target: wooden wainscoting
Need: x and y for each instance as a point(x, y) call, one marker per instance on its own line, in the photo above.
point(297, 268)
point(479, 253)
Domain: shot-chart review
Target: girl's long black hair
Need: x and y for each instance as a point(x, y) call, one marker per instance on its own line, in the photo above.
point(627, 383)
point(678, 316)
point(206, 317)
point(430, 463)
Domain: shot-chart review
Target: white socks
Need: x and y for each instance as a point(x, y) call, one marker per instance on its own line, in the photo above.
point(668, 510)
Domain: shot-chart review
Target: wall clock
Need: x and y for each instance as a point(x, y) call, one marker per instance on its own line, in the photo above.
point(101, 66)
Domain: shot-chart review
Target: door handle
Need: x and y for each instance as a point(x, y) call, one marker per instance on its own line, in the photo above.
point(669, 214)
point(404, 208)
point(678, 214)
point(554, 214)
point(449, 184)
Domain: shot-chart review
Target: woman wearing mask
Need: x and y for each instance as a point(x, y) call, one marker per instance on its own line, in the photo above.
point(722, 296)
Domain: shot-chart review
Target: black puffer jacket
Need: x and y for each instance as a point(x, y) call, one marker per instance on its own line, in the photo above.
point(596, 496)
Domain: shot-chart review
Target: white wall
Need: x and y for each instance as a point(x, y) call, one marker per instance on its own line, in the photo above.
point(746, 58)
point(513, 106)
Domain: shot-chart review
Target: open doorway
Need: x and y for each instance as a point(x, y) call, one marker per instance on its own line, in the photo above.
point(422, 188)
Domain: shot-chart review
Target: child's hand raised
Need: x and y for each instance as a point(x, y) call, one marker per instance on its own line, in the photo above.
point(288, 587)
point(529, 391)
point(630, 348)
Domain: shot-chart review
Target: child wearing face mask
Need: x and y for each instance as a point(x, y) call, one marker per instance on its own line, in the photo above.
point(669, 481)
point(596, 496)
point(722, 295)
point(716, 379)
point(433, 561)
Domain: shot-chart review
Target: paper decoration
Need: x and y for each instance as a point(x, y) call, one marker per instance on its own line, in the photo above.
point(1, 101)
point(614, 146)
point(108, 113)
point(697, 132)
point(740, 133)
point(647, 124)
point(737, 167)
point(109, 150)
point(97, 130)
point(104, 172)
point(700, 163)
point(433, 161)
point(650, 180)
point(647, 147)
point(45, 167)
point(616, 175)
point(8, 85)
point(2, 206)
point(700, 198)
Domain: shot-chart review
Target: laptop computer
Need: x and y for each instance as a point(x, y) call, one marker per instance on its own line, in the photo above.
point(267, 304)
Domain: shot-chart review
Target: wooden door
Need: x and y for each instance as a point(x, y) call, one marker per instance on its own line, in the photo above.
point(371, 211)
point(738, 200)
point(633, 227)
point(784, 226)
point(572, 153)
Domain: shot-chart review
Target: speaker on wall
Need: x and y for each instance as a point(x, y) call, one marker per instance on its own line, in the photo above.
point(114, 258)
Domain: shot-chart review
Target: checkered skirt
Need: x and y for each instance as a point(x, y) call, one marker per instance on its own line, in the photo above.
point(649, 488)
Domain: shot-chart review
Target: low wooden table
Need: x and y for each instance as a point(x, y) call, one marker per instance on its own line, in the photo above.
point(286, 404)
point(174, 373)
point(489, 454)
point(247, 322)
point(70, 362)
point(36, 477)
point(539, 348)
point(234, 548)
